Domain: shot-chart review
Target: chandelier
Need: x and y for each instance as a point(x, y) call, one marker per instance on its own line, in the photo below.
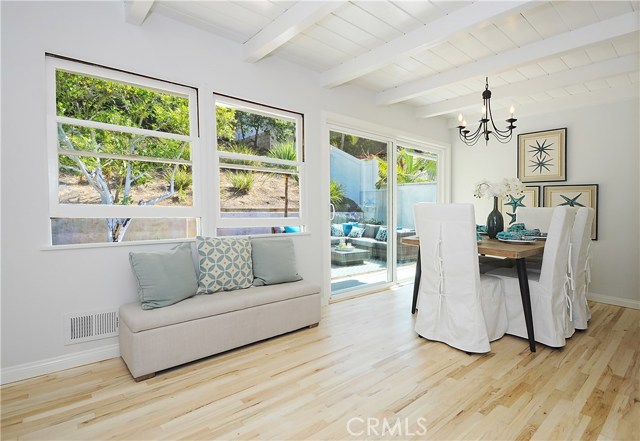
point(487, 126)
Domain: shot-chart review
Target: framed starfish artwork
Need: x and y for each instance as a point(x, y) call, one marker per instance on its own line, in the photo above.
point(574, 196)
point(542, 156)
point(508, 205)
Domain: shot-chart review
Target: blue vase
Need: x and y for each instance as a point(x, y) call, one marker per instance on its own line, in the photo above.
point(495, 222)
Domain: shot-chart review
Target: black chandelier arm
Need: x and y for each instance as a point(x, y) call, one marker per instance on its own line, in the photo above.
point(470, 139)
point(505, 134)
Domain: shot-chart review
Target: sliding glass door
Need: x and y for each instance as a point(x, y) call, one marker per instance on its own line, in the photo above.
point(360, 211)
point(417, 181)
point(374, 184)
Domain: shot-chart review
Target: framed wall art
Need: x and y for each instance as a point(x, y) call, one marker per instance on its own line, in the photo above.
point(509, 204)
point(542, 156)
point(574, 196)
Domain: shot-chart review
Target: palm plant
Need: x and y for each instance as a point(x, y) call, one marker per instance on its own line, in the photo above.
point(336, 193)
point(409, 169)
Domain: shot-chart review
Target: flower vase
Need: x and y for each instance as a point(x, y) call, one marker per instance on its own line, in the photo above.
point(495, 222)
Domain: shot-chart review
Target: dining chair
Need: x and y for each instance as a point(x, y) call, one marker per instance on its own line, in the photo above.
point(456, 305)
point(535, 217)
point(579, 259)
point(532, 218)
point(581, 266)
point(549, 289)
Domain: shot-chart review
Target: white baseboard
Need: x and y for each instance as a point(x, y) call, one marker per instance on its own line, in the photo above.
point(50, 365)
point(601, 298)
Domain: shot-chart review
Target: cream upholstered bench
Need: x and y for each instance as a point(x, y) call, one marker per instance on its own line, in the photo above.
point(244, 290)
point(204, 325)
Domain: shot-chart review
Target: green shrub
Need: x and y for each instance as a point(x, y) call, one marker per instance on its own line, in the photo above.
point(283, 150)
point(241, 182)
point(182, 179)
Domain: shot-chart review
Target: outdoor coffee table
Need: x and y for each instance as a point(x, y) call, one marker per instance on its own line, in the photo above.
point(346, 257)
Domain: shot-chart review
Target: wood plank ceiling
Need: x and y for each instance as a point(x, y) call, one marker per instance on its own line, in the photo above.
point(435, 55)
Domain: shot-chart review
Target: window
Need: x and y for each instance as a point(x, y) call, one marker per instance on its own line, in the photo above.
point(260, 164)
point(123, 156)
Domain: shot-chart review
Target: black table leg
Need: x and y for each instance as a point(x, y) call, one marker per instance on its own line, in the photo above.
point(416, 283)
point(521, 266)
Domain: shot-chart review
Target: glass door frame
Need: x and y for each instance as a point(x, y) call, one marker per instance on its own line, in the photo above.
point(391, 246)
point(394, 138)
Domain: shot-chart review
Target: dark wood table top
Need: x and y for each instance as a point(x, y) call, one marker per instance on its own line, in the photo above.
point(494, 247)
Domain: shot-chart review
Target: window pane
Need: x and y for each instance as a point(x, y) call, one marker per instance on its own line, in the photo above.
point(358, 192)
point(257, 194)
point(248, 133)
point(417, 182)
point(89, 98)
point(66, 231)
point(89, 180)
point(86, 139)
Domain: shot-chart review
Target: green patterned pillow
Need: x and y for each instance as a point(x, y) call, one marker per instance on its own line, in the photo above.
point(225, 264)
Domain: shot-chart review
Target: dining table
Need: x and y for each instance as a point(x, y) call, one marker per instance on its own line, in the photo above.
point(496, 248)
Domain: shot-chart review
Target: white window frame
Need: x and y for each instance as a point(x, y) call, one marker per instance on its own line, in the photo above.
point(248, 222)
point(58, 210)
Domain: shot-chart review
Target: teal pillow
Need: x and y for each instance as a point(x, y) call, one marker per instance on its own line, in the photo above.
point(225, 263)
point(291, 229)
point(164, 277)
point(274, 261)
point(382, 234)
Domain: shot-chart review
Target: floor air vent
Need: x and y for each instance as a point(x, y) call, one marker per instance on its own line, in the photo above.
point(89, 326)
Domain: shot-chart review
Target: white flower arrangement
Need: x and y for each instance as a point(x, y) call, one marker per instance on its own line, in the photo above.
point(486, 189)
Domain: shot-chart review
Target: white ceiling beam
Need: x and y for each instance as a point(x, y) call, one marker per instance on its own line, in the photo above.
point(420, 39)
point(136, 11)
point(286, 26)
point(602, 96)
point(581, 37)
point(595, 71)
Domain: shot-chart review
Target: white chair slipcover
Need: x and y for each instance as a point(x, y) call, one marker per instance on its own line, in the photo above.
point(581, 266)
point(579, 259)
point(549, 289)
point(456, 305)
point(537, 217)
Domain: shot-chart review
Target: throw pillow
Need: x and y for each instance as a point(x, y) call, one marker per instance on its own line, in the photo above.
point(382, 234)
point(164, 277)
point(225, 263)
point(291, 229)
point(274, 261)
point(336, 230)
point(370, 231)
point(356, 232)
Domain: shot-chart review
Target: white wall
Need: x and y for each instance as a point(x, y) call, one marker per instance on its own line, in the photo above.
point(602, 148)
point(40, 285)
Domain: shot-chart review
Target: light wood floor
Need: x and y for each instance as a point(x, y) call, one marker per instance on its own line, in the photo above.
point(362, 369)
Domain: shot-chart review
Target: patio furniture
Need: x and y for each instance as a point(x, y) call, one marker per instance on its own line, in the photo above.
point(347, 257)
point(378, 248)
